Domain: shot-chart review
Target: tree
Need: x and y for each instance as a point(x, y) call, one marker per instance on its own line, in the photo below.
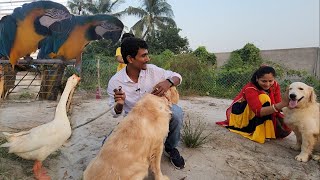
point(205, 56)
point(93, 7)
point(154, 14)
point(250, 54)
point(76, 6)
point(168, 38)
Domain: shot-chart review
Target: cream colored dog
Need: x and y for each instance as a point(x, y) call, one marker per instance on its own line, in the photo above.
point(302, 116)
point(136, 144)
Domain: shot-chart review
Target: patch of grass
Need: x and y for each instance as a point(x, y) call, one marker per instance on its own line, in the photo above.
point(9, 163)
point(25, 95)
point(192, 134)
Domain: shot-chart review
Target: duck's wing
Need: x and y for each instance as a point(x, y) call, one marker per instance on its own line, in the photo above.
point(38, 137)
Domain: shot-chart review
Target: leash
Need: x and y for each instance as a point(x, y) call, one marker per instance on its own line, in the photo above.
point(92, 119)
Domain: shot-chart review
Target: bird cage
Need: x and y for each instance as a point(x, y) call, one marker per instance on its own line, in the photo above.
point(43, 75)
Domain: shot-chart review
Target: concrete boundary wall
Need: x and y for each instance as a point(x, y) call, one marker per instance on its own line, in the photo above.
point(307, 59)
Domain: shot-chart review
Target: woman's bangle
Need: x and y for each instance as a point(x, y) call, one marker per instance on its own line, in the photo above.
point(277, 108)
point(274, 108)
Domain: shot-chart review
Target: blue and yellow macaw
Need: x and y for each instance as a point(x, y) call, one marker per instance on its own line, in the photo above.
point(67, 46)
point(85, 29)
point(21, 31)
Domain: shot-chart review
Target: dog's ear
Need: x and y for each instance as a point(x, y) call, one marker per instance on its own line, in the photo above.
point(313, 96)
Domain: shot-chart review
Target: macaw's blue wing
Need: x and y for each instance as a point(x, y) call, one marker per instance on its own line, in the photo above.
point(34, 21)
point(8, 28)
point(84, 29)
point(52, 43)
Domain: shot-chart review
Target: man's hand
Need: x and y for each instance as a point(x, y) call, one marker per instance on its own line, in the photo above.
point(161, 88)
point(119, 96)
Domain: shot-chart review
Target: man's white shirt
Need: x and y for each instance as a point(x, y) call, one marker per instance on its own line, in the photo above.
point(134, 91)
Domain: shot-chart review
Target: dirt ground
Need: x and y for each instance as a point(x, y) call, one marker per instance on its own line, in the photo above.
point(225, 156)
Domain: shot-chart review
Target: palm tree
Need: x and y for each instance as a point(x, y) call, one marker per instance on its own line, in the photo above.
point(76, 6)
point(102, 6)
point(154, 14)
point(93, 7)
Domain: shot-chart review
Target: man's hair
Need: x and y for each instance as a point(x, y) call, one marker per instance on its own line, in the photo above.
point(261, 72)
point(130, 47)
point(126, 35)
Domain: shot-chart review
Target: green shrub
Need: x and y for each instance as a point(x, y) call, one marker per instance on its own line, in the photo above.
point(89, 78)
point(205, 56)
point(197, 77)
point(192, 134)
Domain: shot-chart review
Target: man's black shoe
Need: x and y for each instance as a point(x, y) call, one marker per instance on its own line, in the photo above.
point(175, 158)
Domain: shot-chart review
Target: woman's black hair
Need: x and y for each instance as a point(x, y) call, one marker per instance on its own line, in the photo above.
point(261, 72)
point(130, 46)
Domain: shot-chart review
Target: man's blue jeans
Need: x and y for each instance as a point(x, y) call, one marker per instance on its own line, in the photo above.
point(175, 126)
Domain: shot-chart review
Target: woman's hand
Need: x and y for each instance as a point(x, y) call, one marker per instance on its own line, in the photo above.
point(161, 88)
point(284, 99)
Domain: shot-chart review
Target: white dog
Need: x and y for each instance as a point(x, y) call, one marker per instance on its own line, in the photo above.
point(302, 116)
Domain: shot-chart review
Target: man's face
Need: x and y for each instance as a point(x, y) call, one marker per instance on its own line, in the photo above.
point(141, 60)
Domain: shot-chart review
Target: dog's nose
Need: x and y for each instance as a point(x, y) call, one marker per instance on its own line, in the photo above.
point(292, 96)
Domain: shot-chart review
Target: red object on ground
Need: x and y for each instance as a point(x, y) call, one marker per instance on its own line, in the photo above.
point(98, 93)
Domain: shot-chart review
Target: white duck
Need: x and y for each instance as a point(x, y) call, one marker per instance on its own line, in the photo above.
point(39, 142)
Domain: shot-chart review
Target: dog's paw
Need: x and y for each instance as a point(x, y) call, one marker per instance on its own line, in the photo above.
point(302, 157)
point(316, 157)
point(163, 177)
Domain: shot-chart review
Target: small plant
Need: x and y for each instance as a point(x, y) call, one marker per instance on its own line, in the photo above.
point(192, 135)
point(25, 95)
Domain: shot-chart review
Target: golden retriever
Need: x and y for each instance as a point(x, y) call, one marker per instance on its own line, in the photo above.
point(136, 144)
point(302, 116)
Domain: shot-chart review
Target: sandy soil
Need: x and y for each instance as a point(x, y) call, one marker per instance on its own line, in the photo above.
point(225, 156)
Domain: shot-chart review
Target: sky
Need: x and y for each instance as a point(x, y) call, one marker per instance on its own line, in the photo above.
point(227, 25)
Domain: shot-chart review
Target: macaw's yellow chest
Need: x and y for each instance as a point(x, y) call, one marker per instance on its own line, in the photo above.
point(74, 45)
point(26, 39)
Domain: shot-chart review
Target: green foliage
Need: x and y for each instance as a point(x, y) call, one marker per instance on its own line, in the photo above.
point(8, 171)
point(192, 135)
point(153, 15)
point(102, 47)
point(168, 38)
point(163, 60)
point(26, 95)
point(198, 77)
point(313, 82)
point(234, 62)
point(250, 55)
point(84, 7)
point(229, 82)
point(205, 56)
point(89, 78)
